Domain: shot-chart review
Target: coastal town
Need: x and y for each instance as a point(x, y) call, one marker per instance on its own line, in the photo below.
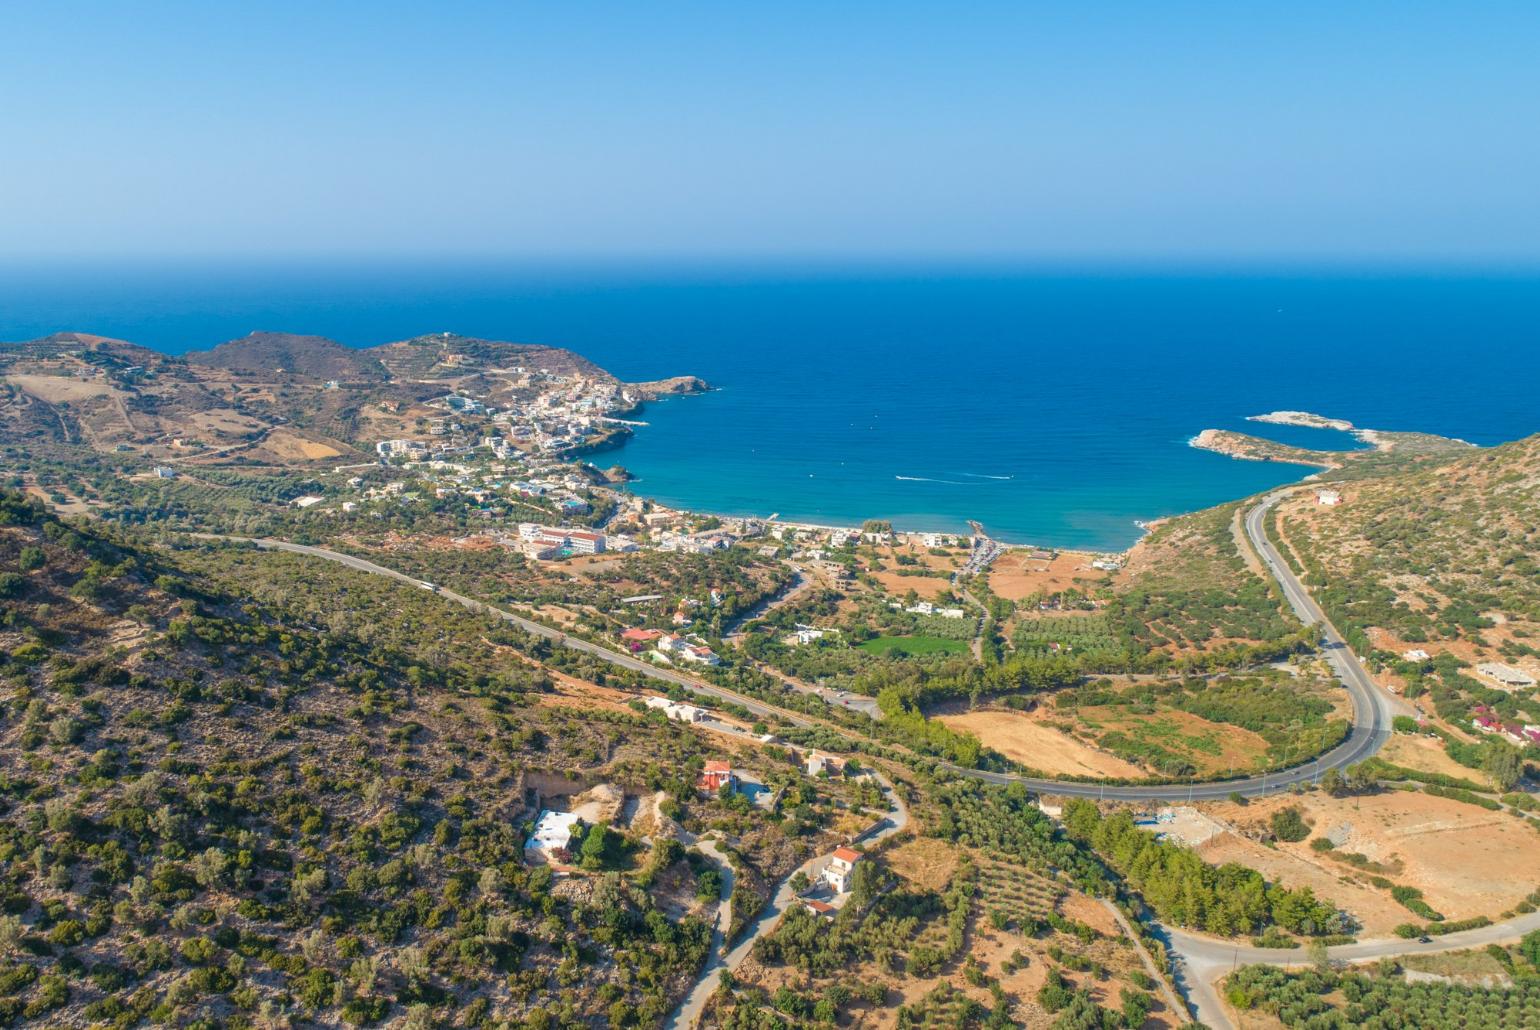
point(722, 724)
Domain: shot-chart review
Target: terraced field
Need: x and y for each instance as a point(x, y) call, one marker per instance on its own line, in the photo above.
point(1023, 897)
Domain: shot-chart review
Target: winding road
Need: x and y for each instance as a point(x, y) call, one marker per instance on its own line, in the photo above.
point(1201, 960)
point(689, 1011)
point(1198, 960)
point(1373, 708)
point(538, 629)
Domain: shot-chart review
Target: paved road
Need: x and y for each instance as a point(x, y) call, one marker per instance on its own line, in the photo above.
point(625, 661)
point(1173, 1003)
point(689, 1012)
point(794, 589)
point(1199, 959)
point(1373, 708)
point(1202, 960)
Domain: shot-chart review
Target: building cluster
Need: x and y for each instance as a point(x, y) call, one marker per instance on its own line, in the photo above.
point(927, 608)
point(669, 646)
point(537, 541)
point(1484, 720)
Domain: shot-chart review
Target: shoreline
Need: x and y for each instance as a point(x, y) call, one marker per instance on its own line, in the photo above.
point(1145, 528)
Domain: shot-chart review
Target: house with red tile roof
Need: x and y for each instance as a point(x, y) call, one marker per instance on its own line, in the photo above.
point(716, 775)
point(840, 868)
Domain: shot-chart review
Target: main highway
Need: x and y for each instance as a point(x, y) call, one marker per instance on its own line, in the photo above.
point(1372, 707)
point(1372, 711)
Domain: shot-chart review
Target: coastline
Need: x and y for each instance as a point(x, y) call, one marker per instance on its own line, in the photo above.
point(1228, 443)
point(1145, 526)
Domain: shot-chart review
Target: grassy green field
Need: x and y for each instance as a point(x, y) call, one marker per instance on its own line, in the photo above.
point(889, 646)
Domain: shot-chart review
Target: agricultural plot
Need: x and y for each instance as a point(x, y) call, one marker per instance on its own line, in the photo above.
point(1073, 634)
point(1023, 898)
point(897, 647)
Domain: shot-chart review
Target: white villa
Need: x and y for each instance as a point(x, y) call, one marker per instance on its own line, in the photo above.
point(552, 837)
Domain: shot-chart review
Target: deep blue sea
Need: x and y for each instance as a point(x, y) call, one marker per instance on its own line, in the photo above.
point(1054, 407)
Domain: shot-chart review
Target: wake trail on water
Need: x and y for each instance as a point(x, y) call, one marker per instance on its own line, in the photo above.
point(927, 479)
point(983, 475)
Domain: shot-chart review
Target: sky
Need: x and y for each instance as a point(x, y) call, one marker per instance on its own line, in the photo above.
point(1110, 131)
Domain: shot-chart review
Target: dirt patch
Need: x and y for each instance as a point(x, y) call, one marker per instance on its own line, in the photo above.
point(61, 389)
point(1426, 755)
point(296, 448)
point(1373, 908)
point(1018, 736)
point(1467, 861)
point(923, 861)
point(1088, 910)
point(1016, 575)
point(600, 804)
point(926, 587)
point(225, 422)
point(1210, 746)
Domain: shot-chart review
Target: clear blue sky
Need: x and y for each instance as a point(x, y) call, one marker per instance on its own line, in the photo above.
point(1337, 131)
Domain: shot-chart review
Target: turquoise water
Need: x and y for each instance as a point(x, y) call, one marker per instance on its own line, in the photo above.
point(1053, 407)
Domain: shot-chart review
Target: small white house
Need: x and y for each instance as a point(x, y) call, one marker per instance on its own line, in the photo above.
point(841, 867)
point(1330, 498)
point(829, 765)
point(1416, 654)
point(551, 839)
point(676, 710)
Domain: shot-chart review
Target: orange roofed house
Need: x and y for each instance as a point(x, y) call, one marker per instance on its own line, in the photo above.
point(842, 865)
point(716, 775)
point(638, 639)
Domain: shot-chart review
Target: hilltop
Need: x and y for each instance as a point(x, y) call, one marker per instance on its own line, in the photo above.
point(316, 357)
point(1437, 557)
point(282, 400)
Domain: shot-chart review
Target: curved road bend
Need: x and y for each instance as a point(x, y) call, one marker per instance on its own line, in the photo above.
point(790, 592)
point(689, 1012)
point(1200, 961)
point(1372, 708)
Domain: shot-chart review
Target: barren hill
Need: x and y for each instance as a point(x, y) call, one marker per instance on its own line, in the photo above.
point(442, 355)
point(265, 353)
point(275, 399)
point(1441, 556)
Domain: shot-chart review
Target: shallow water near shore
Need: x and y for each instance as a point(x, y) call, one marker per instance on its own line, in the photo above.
point(1053, 407)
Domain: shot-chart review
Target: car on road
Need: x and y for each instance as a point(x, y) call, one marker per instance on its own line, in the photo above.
point(428, 586)
point(1425, 939)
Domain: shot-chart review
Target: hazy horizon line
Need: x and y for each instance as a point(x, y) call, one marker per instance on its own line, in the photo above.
point(1241, 264)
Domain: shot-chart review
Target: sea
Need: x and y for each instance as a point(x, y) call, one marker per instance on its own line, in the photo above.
point(1053, 405)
